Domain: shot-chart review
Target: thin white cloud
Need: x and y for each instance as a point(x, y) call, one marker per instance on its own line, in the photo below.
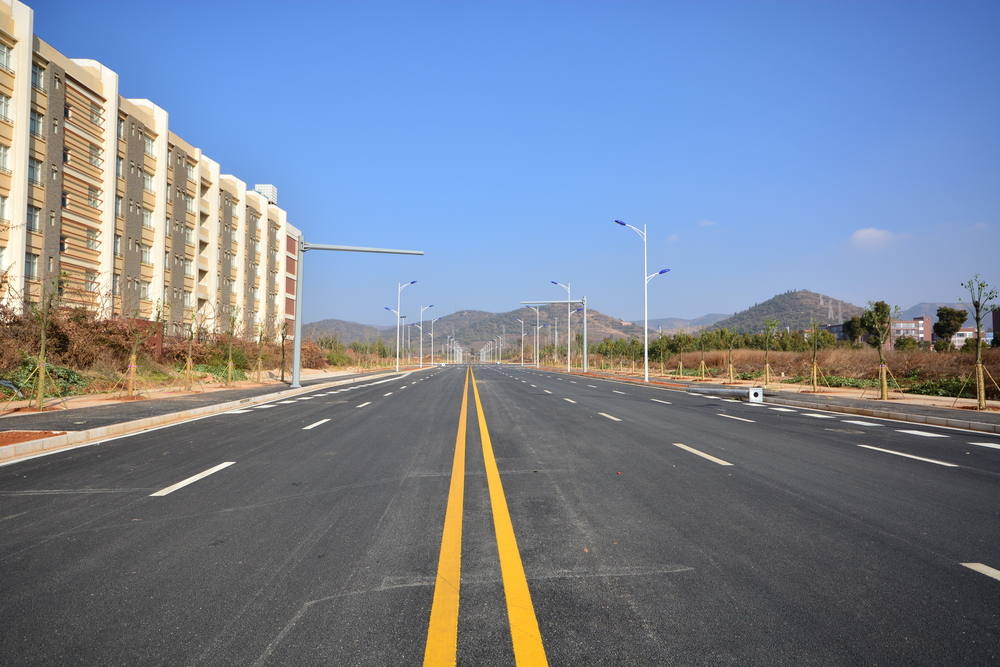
point(673, 238)
point(706, 223)
point(871, 238)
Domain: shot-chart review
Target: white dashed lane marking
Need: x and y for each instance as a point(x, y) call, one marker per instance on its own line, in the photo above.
point(782, 409)
point(604, 414)
point(925, 434)
point(911, 456)
point(659, 401)
point(983, 569)
point(991, 445)
point(364, 404)
point(859, 422)
point(570, 400)
point(736, 418)
point(702, 454)
point(816, 415)
point(314, 425)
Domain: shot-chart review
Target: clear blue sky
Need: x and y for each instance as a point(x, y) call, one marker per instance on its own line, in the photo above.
point(851, 148)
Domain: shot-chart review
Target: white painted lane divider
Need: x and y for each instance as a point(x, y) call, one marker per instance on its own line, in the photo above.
point(782, 409)
point(816, 415)
point(285, 402)
point(570, 400)
point(983, 569)
point(262, 407)
point(702, 454)
point(320, 422)
point(859, 422)
point(364, 404)
point(305, 398)
point(615, 391)
point(191, 480)
point(736, 418)
point(546, 391)
point(911, 456)
point(925, 434)
point(659, 401)
point(237, 412)
point(991, 445)
point(389, 394)
point(592, 386)
point(604, 414)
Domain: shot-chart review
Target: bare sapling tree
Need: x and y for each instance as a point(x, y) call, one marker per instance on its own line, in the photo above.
point(770, 326)
point(877, 321)
point(230, 334)
point(815, 348)
point(730, 339)
point(259, 366)
point(283, 336)
point(47, 303)
point(981, 295)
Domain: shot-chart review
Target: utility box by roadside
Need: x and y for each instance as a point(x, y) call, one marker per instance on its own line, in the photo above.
point(756, 395)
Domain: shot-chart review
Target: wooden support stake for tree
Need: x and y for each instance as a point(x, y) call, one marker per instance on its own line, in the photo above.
point(701, 369)
point(732, 376)
point(815, 377)
point(130, 387)
point(188, 371)
point(680, 368)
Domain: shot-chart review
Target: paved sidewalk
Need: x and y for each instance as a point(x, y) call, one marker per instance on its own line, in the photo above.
point(79, 419)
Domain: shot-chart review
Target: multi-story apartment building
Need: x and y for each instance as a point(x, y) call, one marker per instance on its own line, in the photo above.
point(917, 328)
point(103, 205)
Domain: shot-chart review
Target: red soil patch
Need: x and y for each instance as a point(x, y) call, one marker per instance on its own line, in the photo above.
point(13, 437)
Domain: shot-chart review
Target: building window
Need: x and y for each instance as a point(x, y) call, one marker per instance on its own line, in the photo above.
point(92, 239)
point(34, 217)
point(55, 173)
point(35, 123)
point(115, 283)
point(5, 58)
point(121, 128)
point(4, 107)
point(95, 115)
point(5, 158)
point(37, 76)
point(62, 245)
point(147, 218)
point(65, 200)
point(3, 212)
point(30, 266)
point(52, 218)
point(95, 155)
point(145, 254)
point(188, 267)
point(119, 166)
point(90, 281)
point(118, 207)
point(65, 155)
point(147, 145)
point(147, 181)
point(143, 289)
point(34, 171)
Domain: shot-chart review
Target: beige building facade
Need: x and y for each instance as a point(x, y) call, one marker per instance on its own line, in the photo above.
point(103, 206)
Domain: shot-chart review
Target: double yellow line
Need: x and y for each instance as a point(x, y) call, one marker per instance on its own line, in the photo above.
point(442, 631)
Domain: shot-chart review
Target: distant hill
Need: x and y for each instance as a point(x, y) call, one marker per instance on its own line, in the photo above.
point(346, 332)
point(674, 324)
point(475, 327)
point(795, 310)
point(929, 310)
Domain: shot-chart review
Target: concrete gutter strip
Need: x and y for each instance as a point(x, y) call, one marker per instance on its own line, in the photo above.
point(9, 453)
point(888, 414)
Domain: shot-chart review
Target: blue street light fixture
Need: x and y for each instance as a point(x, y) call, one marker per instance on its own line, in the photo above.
point(645, 296)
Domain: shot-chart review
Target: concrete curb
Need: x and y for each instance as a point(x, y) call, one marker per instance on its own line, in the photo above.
point(969, 425)
point(10, 453)
point(887, 414)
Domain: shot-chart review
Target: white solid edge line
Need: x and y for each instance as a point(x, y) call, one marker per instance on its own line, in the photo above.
point(816, 415)
point(702, 454)
point(659, 401)
point(604, 414)
point(900, 421)
point(737, 418)
point(926, 434)
point(991, 445)
point(859, 422)
point(570, 400)
point(321, 421)
point(364, 404)
point(191, 480)
point(237, 412)
point(911, 456)
point(983, 569)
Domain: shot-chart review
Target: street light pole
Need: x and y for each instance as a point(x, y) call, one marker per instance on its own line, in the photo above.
point(422, 309)
point(522, 340)
point(432, 339)
point(399, 297)
point(537, 327)
point(569, 340)
point(303, 246)
point(645, 296)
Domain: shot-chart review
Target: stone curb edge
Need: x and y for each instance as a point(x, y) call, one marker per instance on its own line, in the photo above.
point(10, 453)
point(887, 414)
point(864, 412)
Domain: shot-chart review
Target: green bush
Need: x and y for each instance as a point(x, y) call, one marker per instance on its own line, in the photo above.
point(749, 375)
point(61, 381)
point(949, 387)
point(218, 371)
point(338, 358)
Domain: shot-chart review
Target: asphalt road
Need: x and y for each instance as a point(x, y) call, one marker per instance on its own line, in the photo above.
point(592, 522)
